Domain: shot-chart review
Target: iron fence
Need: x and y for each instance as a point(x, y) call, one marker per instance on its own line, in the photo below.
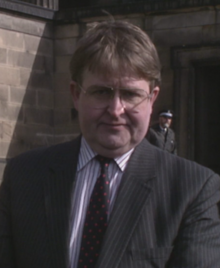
point(50, 4)
point(89, 7)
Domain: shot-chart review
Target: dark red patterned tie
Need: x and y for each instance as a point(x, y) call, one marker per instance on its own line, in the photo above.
point(96, 218)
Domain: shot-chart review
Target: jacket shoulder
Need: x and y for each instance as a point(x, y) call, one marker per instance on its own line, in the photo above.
point(45, 156)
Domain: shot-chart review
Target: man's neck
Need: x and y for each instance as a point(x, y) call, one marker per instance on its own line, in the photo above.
point(164, 129)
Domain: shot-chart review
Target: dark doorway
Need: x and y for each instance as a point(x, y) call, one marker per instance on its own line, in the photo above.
point(207, 116)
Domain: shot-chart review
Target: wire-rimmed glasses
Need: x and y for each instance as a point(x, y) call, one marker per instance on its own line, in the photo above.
point(99, 96)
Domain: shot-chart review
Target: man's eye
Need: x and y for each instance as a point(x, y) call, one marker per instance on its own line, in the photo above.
point(129, 94)
point(100, 91)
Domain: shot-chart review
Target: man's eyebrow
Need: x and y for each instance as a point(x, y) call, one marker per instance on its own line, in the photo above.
point(114, 87)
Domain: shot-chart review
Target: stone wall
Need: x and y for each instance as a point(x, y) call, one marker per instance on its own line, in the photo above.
point(26, 83)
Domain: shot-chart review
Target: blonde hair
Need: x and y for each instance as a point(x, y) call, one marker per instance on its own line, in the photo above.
point(116, 47)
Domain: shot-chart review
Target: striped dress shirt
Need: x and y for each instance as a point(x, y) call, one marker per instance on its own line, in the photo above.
point(88, 170)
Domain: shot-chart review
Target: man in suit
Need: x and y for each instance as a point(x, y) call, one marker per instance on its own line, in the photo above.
point(161, 135)
point(159, 210)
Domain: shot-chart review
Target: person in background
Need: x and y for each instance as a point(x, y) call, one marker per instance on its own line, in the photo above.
point(161, 135)
point(109, 199)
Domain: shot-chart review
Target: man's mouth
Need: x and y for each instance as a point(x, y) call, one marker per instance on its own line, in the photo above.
point(113, 126)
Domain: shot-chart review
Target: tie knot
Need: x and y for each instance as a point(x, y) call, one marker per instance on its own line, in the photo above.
point(103, 160)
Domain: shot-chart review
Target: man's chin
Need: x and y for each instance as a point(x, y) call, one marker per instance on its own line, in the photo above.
point(112, 144)
point(119, 146)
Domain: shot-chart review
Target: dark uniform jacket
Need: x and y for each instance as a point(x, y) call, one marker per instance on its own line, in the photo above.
point(164, 140)
point(165, 213)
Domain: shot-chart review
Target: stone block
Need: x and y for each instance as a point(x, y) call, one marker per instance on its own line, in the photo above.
point(165, 57)
point(43, 140)
point(16, 148)
point(30, 135)
point(63, 99)
point(138, 21)
point(1, 130)
point(6, 21)
point(7, 129)
point(62, 81)
point(10, 39)
point(62, 117)
point(68, 130)
point(76, 127)
point(9, 76)
point(45, 99)
point(2, 168)
point(67, 31)
point(40, 45)
point(148, 23)
point(3, 54)
point(211, 34)
point(65, 46)
point(185, 57)
point(167, 76)
point(31, 61)
point(62, 63)
point(11, 112)
point(35, 80)
point(32, 43)
point(4, 92)
point(32, 27)
point(38, 116)
point(184, 20)
point(15, 113)
point(23, 96)
point(218, 15)
point(26, 25)
point(4, 147)
point(178, 37)
point(25, 59)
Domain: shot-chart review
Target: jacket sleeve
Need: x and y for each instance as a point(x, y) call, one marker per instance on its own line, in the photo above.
point(198, 241)
point(6, 240)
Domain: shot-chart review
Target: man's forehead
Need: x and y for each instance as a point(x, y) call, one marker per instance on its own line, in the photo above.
point(116, 79)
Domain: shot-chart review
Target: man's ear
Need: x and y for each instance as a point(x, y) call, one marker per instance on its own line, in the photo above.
point(154, 94)
point(74, 90)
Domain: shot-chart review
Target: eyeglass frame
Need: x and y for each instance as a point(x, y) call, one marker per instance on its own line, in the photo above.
point(148, 95)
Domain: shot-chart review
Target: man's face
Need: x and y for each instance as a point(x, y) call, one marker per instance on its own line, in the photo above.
point(165, 122)
point(113, 130)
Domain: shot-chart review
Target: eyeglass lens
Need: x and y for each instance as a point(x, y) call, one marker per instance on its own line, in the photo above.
point(100, 96)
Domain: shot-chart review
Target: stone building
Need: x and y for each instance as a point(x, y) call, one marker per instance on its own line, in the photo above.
point(37, 38)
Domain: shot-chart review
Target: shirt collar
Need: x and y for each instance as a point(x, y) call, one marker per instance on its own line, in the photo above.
point(123, 159)
point(86, 154)
point(163, 129)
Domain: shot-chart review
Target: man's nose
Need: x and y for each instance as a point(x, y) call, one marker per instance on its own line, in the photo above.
point(116, 105)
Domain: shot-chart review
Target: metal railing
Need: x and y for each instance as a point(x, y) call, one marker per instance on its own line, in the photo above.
point(53, 4)
point(50, 4)
point(69, 12)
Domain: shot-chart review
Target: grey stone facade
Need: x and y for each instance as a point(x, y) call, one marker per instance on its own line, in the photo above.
point(35, 103)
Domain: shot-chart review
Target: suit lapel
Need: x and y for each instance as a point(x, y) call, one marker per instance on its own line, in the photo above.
point(132, 197)
point(58, 186)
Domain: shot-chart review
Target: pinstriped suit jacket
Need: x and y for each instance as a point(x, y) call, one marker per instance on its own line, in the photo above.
point(165, 214)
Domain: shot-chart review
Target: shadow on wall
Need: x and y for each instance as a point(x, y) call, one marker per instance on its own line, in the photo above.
point(36, 110)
